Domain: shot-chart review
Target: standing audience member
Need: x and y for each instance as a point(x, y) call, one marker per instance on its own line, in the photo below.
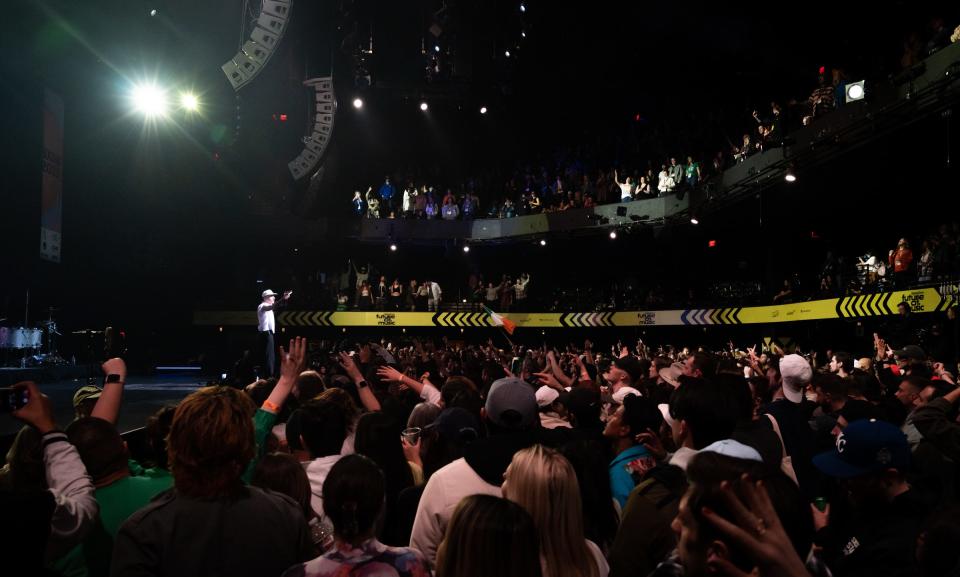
point(489, 536)
point(223, 526)
point(543, 482)
point(353, 494)
point(511, 417)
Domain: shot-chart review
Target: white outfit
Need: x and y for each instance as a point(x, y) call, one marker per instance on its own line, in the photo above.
point(76, 508)
point(554, 421)
point(265, 320)
point(317, 470)
point(406, 201)
point(625, 190)
point(440, 497)
point(682, 457)
point(666, 182)
point(433, 297)
point(430, 394)
point(520, 289)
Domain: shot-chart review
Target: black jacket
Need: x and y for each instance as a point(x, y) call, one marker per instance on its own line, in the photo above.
point(257, 533)
point(875, 541)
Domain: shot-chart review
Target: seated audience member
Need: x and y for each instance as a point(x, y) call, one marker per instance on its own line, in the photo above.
point(634, 417)
point(222, 526)
point(489, 536)
point(511, 418)
point(353, 494)
point(882, 514)
point(543, 482)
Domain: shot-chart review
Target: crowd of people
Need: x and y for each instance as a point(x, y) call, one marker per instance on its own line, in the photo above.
point(574, 179)
point(356, 290)
point(458, 459)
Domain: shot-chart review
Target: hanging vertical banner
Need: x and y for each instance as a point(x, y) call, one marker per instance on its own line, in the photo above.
point(51, 186)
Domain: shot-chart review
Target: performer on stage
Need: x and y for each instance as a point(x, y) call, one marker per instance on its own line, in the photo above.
point(267, 326)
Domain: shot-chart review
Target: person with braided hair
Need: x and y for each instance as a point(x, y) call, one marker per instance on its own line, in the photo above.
point(353, 498)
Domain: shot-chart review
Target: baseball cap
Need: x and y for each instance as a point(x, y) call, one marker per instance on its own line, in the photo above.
point(735, 449)
point(672, 374)
point(624, 392)
point(86, 393)
point(865, 446)
point(546, 396)
point(267, 293)
point(512, 404)
point(456, 425)
point(910, 352)
point(796, 374)
point(665, 411)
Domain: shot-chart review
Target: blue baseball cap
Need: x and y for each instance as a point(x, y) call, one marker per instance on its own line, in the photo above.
point(865, 446)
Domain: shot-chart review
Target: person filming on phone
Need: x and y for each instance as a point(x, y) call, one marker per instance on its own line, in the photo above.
point(267, 326)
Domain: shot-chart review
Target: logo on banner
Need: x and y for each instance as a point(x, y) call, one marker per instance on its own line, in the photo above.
point(647, 318)
point(386, 319)
point(915, 300)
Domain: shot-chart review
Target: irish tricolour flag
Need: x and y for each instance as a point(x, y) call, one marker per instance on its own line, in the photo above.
point(500, 321)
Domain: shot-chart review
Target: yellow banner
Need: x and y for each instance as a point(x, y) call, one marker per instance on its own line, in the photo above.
point(925, 300)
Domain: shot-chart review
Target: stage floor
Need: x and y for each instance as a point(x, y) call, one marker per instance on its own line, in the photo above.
point(142, 397)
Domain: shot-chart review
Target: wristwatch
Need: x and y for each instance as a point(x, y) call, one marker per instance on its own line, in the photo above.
point(362, 384)
point(113, 379)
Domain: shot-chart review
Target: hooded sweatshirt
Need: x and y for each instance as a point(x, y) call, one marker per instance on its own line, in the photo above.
point(479, 472)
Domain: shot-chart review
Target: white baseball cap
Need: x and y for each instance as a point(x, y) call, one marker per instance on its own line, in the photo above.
point(268, 293)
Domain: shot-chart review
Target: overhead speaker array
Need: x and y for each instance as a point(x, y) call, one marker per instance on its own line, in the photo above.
point(315, 144)
point(263, 42)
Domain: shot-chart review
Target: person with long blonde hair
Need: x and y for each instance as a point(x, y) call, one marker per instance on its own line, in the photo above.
point(543, 482)
point(489, 537)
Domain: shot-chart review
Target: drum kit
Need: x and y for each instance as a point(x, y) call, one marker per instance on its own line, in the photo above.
point(25, 345)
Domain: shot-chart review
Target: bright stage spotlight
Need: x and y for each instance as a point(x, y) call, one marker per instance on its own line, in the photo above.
point(189, 102)
point(856, 91)
point(483, 110)
point(543, 242)
point(423, 106)
point(149, 100)
point(466, 248)
point(613, 234)
point(393, 248)
point(694, 220)
point(358, 103)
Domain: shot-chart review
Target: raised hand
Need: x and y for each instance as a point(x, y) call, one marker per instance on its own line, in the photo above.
point(350, 367)
point(37, 412)
point(547, 378)
point(388, 373)
point(293, 360)
point(757, 529)
point(115, 366)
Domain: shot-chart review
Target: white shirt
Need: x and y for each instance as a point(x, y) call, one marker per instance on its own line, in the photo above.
point(435, 291)
point(406, 201)
point(624, 190)
point(265, 320)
